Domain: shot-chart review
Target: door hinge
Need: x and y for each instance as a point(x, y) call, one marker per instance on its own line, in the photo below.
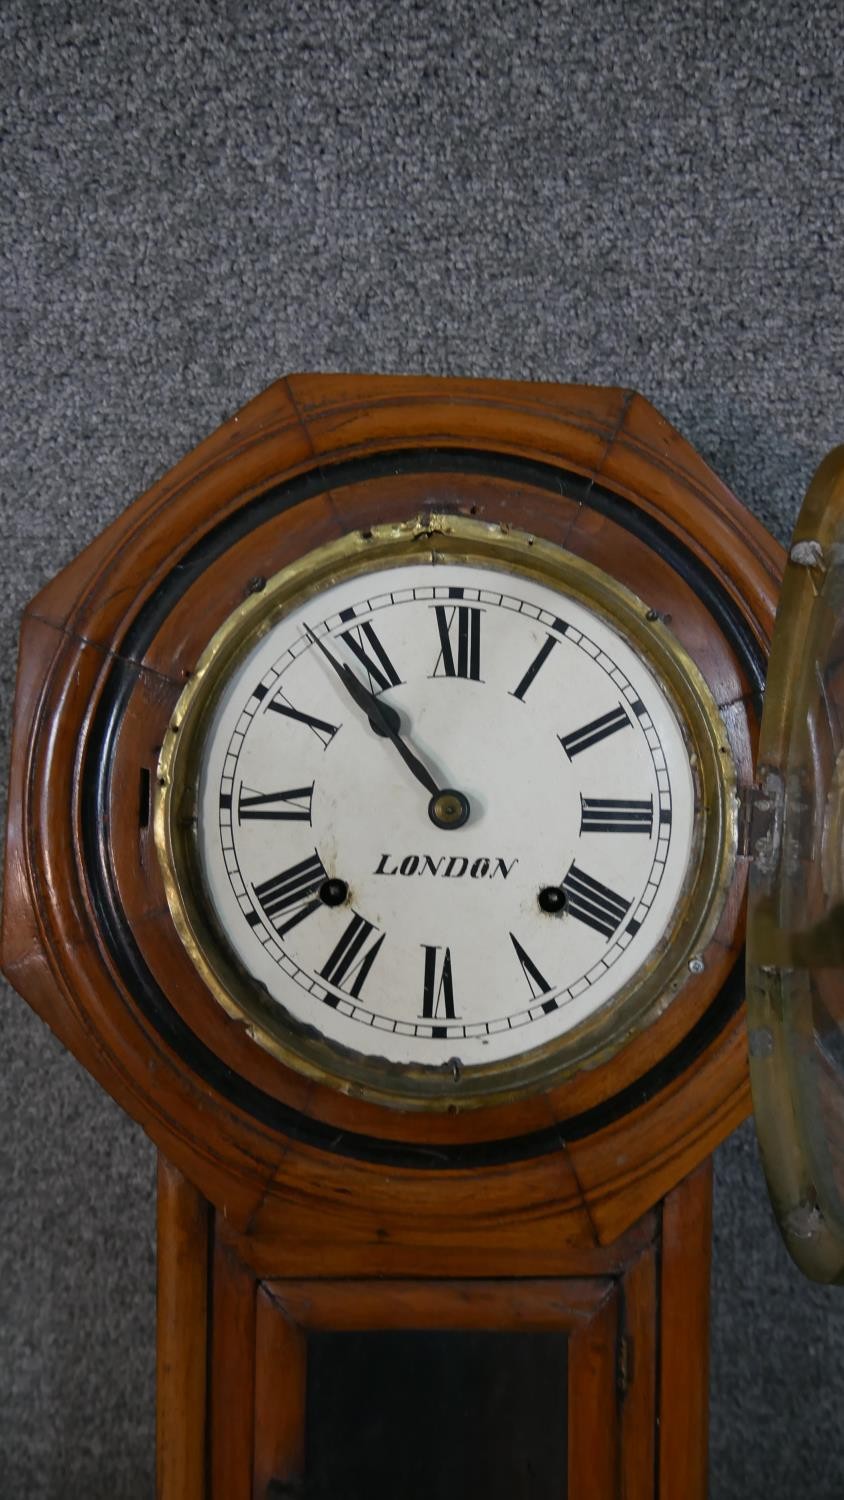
point(760, 821)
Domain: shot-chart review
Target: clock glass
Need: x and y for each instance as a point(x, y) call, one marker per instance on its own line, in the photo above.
point(445, 812)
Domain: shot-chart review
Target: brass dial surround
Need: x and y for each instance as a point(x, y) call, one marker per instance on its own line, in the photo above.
point(435, 537)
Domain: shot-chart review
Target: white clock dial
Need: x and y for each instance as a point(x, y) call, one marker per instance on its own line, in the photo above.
point(393, 935)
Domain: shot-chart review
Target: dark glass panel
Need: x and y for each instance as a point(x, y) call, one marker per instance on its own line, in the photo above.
point(436, 1416)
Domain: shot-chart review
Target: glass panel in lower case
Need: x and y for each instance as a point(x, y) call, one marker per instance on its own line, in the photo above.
point(436, 1416)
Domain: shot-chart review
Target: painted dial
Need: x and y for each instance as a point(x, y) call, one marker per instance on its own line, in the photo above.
point(396, 932)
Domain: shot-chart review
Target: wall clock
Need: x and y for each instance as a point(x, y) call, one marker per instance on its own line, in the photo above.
point(382, 808)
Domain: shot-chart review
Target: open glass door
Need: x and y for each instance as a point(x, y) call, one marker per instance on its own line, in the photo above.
point(795, 935)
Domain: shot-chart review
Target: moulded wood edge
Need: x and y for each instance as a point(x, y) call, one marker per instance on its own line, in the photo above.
point(184, 1225)
point(686, 1243)
point(714, 1099)
point(37, 647)
point(646, 428)
point(480, 416)
point(282, 1249)
point(316, 395)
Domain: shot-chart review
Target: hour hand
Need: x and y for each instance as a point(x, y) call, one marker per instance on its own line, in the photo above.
point(447, 808)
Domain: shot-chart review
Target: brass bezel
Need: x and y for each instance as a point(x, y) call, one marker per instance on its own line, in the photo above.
point(434, 537)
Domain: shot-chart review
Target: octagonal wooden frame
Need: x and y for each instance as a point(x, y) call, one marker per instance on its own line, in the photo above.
point(598, 471)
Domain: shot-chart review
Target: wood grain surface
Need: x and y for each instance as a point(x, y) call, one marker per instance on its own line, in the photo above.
point(184, 1224)
point(635, 1321)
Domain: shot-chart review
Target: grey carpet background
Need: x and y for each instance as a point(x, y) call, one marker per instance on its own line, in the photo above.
point(196, 198)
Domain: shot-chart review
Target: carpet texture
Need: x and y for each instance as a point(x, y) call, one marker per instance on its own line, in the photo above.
point(198, 197)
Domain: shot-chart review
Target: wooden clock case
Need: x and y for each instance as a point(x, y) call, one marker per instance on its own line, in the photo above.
point(286, 1206)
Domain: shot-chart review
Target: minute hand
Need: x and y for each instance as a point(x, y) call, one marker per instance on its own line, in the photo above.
point(375, 712)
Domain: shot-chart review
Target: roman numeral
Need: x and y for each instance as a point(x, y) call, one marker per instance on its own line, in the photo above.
point(538, 661)
point(293, 805)
point(379, 669)
point(292, 891)
point(352, 957)
point(616, 815)
point(537, 984)
point(437, 988)
point(459, 625)
point(324, 731)
point(592, 733)
point(593, 903)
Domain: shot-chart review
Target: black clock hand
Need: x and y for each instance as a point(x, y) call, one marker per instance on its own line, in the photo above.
point(384, 719)
point(447, 808)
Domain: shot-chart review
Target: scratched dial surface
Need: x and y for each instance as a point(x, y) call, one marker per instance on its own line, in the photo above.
point(577, 776)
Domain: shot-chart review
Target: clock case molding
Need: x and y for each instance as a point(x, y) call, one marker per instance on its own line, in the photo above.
point(281, 1171)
